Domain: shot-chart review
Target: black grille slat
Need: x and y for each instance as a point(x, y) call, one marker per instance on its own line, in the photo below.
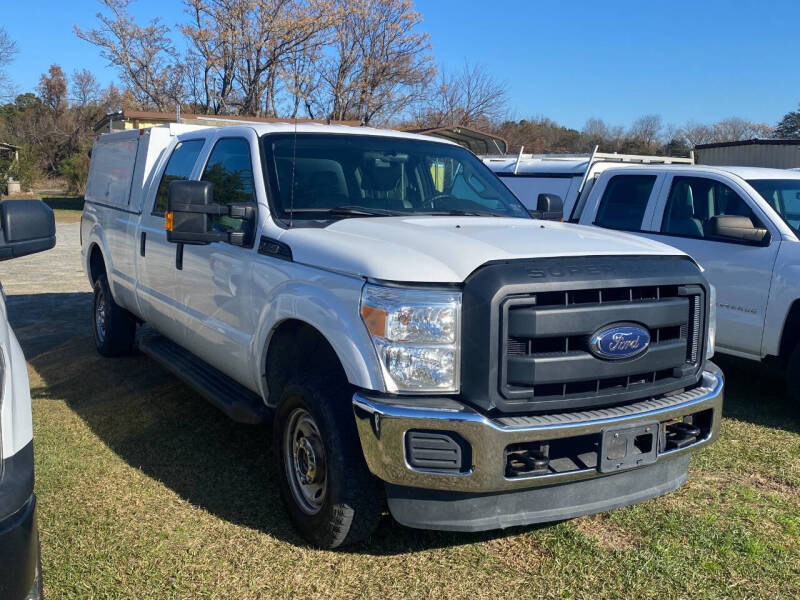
point(579, 365)
point(536, 321)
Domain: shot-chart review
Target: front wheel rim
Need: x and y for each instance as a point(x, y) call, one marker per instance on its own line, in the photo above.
point(305, 461)
point(100, 316)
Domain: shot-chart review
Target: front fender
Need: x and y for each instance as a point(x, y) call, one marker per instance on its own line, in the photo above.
point(330, 304)
point(783, 293)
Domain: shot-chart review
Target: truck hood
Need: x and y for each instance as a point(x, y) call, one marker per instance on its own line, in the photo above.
point(427, 249)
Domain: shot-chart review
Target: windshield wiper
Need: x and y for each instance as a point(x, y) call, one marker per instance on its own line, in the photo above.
point(459, 213)
point(351, 211)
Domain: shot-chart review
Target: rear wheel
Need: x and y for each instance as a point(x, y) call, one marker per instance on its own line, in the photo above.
point(114, 327)
point(332, 498)
point(793, 375)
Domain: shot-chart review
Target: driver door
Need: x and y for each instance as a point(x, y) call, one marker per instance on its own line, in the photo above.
point(740, 270)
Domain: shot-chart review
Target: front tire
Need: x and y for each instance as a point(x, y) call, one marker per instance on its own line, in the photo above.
point(793, 375)
point(331, 497)
point(114, 327)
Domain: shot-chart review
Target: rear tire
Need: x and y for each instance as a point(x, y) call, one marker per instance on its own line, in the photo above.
point(114, 327)
point(793, 375)
point(331, 497)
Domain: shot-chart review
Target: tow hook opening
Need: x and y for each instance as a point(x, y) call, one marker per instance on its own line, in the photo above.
point(526, 459)
point(685, 432)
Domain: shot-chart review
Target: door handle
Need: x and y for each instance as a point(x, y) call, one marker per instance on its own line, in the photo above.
point(142, 243)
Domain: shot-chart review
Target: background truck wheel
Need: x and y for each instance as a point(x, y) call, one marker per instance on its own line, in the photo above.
point(332, 498)
point(114, 327)
point(793, 375)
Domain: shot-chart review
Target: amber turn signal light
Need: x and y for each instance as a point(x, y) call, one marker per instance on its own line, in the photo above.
point(168, 221)
point(374, 319)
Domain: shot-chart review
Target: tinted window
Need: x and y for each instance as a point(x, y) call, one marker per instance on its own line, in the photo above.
point(313, 175)
point(179, 167)
point(694, 202)
point(230, 169)
point(625, 201)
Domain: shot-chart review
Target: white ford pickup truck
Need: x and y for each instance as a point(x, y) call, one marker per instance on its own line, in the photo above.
point(413, 334)
point(742, 224)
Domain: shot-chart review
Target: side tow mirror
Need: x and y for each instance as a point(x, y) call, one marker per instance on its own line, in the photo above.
point(26, 227)
point(549, 207)
point(190, 204)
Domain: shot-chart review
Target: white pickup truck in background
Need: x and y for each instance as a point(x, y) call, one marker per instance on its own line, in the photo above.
point(741, 224)
point(567, 177)
point(412, 333)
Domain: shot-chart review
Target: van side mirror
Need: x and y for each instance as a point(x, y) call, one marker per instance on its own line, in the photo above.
point(26, 227)
point(739, 228)
point(549, 207)
point(190, 206)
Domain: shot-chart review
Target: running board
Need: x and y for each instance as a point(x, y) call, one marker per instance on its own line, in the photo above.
point(236, 401)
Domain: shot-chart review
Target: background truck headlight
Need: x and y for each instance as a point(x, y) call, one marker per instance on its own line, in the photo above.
point(416, 334)
point(712, 320)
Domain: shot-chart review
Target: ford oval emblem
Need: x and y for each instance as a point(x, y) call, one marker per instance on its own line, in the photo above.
point(619, 341)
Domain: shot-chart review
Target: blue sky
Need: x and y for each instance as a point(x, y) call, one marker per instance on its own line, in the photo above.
point(568, 61)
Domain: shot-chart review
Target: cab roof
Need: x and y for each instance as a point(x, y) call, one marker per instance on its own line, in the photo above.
point(569, 167)
point(743, 172)
point(307, 127)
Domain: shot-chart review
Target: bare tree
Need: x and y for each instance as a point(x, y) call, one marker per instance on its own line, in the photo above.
point(471, 96)
point(145, 56)
point(300, 76)
point(697, 133)
point(646, 130)
point(8, 49)
point(267, 34)
point(734, 129)
point(84, 89)
point(595, 128)
point(52, 88)
point(215, 34)
point(379, 64)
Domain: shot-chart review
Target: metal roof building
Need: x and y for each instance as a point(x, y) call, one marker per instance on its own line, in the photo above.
point(775, 153)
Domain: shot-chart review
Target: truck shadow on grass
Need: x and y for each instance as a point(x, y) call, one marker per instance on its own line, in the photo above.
point(161, 427)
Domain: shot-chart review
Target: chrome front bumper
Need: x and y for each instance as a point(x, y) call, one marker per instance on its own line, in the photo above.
point(382, 425)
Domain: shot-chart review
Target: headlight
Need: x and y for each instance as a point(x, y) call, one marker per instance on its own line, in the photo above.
point(416, 335)
point(712, 321)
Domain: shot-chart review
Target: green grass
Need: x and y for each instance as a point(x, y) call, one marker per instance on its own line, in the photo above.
point(145, 491)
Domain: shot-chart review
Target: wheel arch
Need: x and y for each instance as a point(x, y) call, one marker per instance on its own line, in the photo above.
point(790, 334)
point(96, 262)
point(320, 312)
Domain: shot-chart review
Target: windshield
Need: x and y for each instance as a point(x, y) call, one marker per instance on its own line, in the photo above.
point(784, 196)
point(323, 177)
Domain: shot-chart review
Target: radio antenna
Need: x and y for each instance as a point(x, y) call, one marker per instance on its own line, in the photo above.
point(294, 161)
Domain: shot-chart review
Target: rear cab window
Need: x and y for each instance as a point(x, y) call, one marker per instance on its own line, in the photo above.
point(179, 167)
point(624, 202)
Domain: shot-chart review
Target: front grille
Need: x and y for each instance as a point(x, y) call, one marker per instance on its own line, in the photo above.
point(526, 326)
point(545, 359)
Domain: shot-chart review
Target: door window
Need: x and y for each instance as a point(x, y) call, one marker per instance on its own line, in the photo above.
point(230, 169)
point(179, 167)
point(624, 202)
point(693, 204)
